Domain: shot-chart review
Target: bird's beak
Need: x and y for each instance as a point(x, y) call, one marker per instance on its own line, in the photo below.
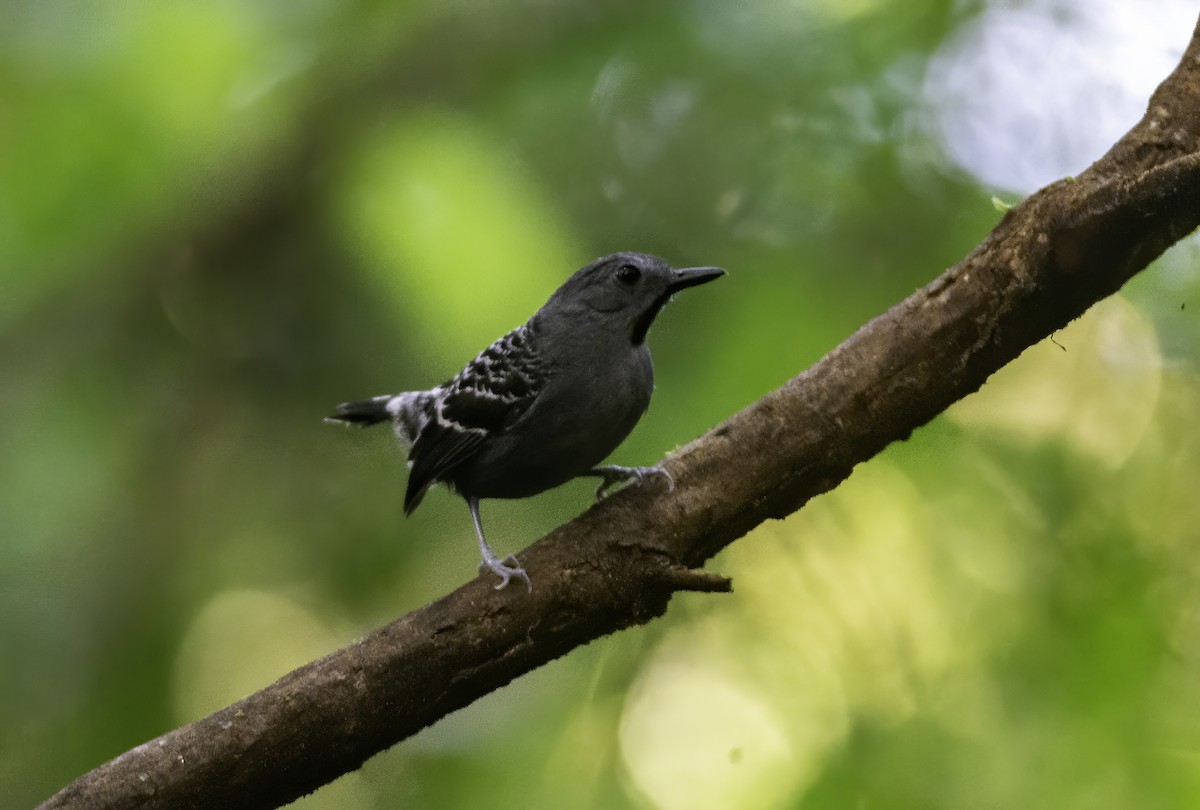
point(691, 276)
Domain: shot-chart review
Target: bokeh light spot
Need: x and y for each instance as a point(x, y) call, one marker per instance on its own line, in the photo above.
point(242, 641)
point(693, 738)
point(452, 233)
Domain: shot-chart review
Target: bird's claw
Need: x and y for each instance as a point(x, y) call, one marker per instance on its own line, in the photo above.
point(612, 475)
point(506, 569)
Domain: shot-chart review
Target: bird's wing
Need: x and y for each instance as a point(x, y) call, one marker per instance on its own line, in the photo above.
point(441, 446)
point(487, 397)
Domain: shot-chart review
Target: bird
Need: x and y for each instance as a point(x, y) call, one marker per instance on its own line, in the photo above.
point(543, 404)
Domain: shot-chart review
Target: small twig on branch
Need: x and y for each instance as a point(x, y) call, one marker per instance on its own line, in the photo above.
point(1049, 259)
point(679, 578)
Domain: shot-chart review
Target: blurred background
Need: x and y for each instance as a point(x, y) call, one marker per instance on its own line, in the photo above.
point(217, 220)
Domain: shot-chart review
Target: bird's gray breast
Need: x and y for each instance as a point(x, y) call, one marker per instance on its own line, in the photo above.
point(590, 403)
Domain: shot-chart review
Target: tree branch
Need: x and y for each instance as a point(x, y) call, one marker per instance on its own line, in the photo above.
point(1061, 250)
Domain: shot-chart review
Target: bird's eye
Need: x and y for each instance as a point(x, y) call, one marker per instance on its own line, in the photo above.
point(628, 274)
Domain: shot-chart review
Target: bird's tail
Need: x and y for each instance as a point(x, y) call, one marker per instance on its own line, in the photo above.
point(365, 412)
point(408, 411)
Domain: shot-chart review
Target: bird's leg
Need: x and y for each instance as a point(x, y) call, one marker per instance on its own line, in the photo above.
point(611, 474)
point(507, 568)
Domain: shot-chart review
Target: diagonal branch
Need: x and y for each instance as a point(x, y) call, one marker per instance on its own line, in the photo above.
point(1049, 259)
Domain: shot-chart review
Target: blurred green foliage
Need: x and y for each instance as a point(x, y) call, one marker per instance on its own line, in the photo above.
point(216, 220)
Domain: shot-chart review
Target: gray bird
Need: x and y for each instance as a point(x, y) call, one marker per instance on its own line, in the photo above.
point(543, 404)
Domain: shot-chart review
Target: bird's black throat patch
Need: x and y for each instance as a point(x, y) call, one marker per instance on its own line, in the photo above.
point(642, 325)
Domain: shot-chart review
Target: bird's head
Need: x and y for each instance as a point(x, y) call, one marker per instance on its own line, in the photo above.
point(627, 290)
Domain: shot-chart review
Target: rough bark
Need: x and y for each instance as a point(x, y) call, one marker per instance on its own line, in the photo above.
point(1050, 258)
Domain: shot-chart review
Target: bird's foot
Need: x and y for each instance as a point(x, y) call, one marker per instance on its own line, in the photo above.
point(612, 474)
point(506, 569)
